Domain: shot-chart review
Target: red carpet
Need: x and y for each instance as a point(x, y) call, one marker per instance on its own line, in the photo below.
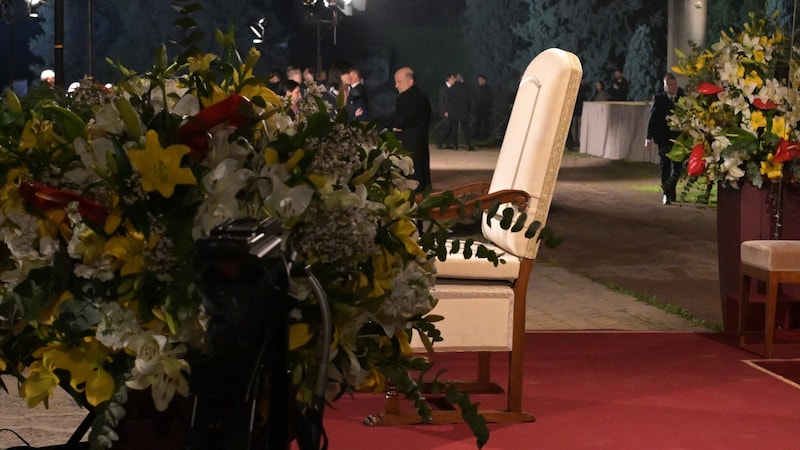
point(784, 369)
point(610, 390)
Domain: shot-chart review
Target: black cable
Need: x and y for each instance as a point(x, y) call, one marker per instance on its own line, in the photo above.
point(17, 435)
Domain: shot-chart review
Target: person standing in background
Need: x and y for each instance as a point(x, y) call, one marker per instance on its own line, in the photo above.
point(357, 100)
point(458, 106)
point(410, 122)
point(574, 138)
point(483, 108)
point(619, 88)
point(659, 132)
point(447, 131)
point(600, 94)
point(48, 76)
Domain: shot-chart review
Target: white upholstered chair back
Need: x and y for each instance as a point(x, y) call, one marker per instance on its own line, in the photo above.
point(534, 142)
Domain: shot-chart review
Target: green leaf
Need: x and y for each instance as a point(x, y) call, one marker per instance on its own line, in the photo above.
point(532, 229)
point(468, 248)
point(191, 39)
point(185, 22)
point(488, 254)
point(508, 216)
point(72, 126)
point(455, 246)
point(520, 223)
point(469, 412)
point(12, 102)
point(491, 212)
point(161, 58)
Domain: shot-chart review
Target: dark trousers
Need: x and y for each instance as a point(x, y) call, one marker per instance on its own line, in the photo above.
point(459, 127)
point(670, 172)
point(447, 132)
point(482, 125)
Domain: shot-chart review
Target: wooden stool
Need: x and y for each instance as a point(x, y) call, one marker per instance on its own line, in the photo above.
point(774, 262)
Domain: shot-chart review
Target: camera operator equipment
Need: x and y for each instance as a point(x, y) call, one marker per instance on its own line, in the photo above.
point(242, 385)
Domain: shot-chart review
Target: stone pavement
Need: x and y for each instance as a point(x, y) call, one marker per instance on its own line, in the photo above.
point(558, 299)
point(561, 300)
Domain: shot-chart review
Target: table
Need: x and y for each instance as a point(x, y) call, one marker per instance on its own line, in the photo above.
point(616, 130)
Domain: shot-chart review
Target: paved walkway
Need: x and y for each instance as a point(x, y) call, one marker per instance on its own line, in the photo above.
point(561, 300)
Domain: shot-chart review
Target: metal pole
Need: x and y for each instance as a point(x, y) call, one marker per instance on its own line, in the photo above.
point(58, 42)
point(89, 40)
point(319, 49)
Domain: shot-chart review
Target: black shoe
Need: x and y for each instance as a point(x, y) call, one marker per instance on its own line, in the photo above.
point(666, 200)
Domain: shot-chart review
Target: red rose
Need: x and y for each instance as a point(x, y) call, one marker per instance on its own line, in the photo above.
point(697, 165)
point(709, 89)
point(46, 198)
point(787, 151)
point(194, 132)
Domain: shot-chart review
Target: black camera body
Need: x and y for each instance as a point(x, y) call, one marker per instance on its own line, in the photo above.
point(241, 382)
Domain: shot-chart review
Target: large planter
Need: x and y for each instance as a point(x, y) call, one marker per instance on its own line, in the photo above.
point(750, 213)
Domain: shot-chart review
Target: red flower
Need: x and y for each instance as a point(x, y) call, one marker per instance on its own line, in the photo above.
point(709, 89)
point(761, 104)
point(697, 165)
point(787, 151)
point(194, 132)
point(46, 198)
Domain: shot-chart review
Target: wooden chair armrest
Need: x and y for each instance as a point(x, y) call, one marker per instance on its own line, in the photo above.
point(472, 189)
point(516, 197)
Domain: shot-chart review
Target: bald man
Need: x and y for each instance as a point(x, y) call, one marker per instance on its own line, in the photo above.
point(410, 122)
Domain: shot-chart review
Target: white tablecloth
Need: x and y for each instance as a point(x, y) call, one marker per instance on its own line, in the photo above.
point(616, 130)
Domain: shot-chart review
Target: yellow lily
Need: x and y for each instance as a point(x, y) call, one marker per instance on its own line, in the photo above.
point(50, 311)
point(39, 385)
point(758, 120)
point(201, 65)
point(770, 168)
point(405, 230)
point(299, 335)
point(754, 78)
point(128, 250)
point(160, 168)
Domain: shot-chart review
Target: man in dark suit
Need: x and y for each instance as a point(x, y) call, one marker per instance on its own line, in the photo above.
point(447, 125)
point(458, 106)
point(410, 121)
point(619, 88)
point(659, 132)
point(357, 99)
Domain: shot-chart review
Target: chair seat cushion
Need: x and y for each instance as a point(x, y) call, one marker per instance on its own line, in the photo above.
point(477, 316)
point(457, 267)
point(773, 255)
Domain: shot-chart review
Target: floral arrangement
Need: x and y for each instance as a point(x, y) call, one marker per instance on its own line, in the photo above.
point(103, 194)
point(739, 119)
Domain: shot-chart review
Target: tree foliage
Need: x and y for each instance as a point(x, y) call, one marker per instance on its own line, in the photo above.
point(598, 31)
point(639, 65)
point(488, 28)
point(132, 31)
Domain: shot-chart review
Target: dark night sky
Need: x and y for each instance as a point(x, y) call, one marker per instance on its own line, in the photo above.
point(414, 12)
point(379, 15)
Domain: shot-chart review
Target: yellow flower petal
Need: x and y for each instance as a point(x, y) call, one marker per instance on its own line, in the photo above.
point(128, 250)
point(160, 168)
point(39, 385)
point(298, 335)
